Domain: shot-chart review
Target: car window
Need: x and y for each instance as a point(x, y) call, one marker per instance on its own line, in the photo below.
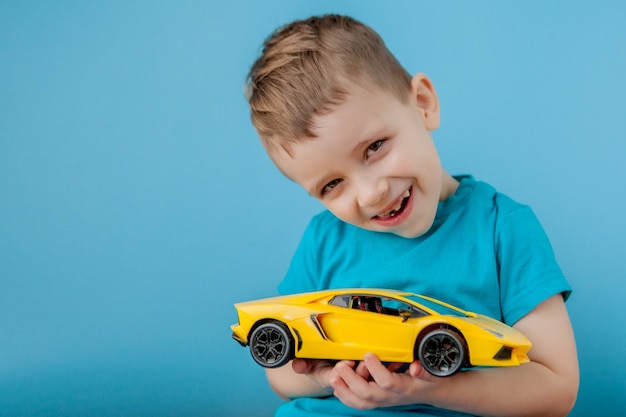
point(437, 306)
point(397, 307)
point(375, 304)
point(341, 301)
point(358, 302)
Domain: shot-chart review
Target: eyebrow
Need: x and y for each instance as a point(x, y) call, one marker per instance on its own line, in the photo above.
point(317, 187)
point(363, 144)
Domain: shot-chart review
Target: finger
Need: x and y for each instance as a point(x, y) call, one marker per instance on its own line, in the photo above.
point(345, 393)
point(395, 366)
point(362, 371)
point(301, 366)
point(361, 387)
point(416, 370)
point(348, 364)
point(353, 377)
point(383, 376)
point(308, 366)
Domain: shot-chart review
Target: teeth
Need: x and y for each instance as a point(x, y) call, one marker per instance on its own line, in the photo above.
point(395, 210)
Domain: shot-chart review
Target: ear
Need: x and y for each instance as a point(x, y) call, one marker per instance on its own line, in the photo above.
point(423, 92)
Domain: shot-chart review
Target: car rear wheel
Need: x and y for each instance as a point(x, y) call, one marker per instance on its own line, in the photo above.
point(271, 344)
point(442, 352)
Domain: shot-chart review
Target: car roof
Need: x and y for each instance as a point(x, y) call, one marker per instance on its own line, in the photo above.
point(310, 297)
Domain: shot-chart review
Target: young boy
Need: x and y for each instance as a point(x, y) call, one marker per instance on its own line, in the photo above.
point(340, 116)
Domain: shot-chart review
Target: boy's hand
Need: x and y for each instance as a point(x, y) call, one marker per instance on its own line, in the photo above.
point(325, 371)
point(321, 371)
point(372, 384)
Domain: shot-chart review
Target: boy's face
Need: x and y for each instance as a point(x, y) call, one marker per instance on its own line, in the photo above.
point(374, 164)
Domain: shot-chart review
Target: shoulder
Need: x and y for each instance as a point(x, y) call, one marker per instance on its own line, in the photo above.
point(477, 201)
point(485, 193)
point(486, 196)
point(511, 219)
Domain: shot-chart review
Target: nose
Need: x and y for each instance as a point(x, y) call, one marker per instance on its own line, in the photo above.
point(372, 191)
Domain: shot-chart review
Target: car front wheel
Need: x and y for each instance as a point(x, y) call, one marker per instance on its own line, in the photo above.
point(441, 352)
point(271, 345)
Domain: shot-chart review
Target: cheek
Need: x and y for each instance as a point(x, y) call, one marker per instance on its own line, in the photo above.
point(343, 209)
point(423, 159)
point(409, 162)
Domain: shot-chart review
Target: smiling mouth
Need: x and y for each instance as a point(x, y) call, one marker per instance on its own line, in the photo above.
point(397, 209)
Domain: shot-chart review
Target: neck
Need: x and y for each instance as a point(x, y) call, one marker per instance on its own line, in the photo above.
point(449, 186)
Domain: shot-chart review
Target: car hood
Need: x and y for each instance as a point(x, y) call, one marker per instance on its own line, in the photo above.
point(496, 327)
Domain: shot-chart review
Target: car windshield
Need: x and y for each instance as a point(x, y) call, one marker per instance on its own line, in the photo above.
point(439, 308)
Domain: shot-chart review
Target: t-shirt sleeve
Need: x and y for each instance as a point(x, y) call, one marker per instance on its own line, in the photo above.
point(302, 272)
point(528, 271)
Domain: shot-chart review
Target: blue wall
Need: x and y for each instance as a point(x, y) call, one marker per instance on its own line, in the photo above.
point(136, 205)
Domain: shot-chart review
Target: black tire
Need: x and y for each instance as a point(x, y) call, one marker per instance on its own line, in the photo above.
point(271, 345)
point(442, 352)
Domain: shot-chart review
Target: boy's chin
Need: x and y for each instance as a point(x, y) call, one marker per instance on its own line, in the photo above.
point(407, 231)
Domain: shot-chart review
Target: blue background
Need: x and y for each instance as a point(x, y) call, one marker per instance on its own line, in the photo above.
point(136, 204)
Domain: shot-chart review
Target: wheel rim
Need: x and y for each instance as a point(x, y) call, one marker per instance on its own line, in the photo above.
point(269, 345)
point(441, 354)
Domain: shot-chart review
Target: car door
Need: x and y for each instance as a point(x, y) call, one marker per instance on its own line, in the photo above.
point(356, 329)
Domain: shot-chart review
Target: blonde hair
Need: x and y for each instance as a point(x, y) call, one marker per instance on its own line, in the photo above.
point(306, 67)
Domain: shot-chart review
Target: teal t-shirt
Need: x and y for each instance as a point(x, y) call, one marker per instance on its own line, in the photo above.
point(484, 253)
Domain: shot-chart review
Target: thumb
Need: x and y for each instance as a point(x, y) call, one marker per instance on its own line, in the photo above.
point(302, 366)
point(416, 370)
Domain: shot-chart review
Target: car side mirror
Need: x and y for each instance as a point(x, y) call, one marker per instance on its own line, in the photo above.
point(405, 314)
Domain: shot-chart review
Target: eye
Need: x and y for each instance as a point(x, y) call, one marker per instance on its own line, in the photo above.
point(374, 147)
point(331, 185)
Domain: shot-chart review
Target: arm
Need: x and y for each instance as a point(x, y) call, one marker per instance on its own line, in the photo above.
point(546, 386)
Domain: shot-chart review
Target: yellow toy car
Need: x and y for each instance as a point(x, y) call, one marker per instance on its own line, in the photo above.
point(396, 326)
